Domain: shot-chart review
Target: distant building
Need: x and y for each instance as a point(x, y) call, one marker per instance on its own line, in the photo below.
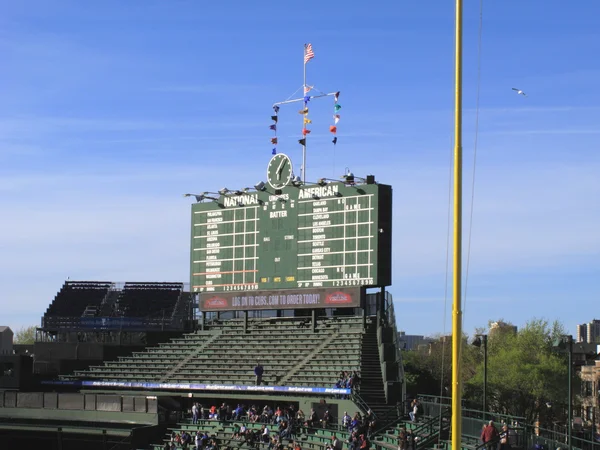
point(589, 332)
point(502, 327)
point(590, 392)
point(441, 343)
point(412, 341)
point(6, 341)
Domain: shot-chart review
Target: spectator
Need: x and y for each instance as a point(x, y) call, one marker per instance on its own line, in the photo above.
point(258, 371)
point(195, 413)
point(238, 412)
point(336, 444)
point(504, 441)
point(353, 441)
point(346, 419)
point(312, 419)
point(402, 440)
point(490, 436)
point(265, 434)
point(414, 406)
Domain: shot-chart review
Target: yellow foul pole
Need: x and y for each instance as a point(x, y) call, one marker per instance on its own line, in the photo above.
point(457, 242)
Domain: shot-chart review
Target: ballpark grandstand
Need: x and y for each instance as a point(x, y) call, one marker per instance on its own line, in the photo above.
point(123, 365)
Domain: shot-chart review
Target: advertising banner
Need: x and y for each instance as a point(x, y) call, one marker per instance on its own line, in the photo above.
point(283, 299)
point(201, 387)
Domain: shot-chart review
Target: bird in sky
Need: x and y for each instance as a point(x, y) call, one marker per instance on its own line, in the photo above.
point(520, 92)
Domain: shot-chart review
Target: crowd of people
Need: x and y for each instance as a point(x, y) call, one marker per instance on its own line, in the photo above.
point(348, 380)
point(278, 425)
point(282, 426)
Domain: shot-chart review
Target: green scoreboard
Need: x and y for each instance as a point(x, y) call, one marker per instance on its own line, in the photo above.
point(326, 235)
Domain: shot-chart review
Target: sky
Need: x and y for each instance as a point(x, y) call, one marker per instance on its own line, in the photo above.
point(111, 110)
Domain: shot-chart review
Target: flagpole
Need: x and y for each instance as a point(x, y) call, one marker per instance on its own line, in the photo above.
point(303, 124)
point(305, 99)
point(457, 241)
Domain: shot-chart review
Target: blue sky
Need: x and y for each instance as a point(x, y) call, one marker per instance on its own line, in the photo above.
point(111, 110)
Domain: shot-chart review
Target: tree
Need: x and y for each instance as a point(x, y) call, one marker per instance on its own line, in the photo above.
point(430, 372)
point(26, 335)
point(524, 370)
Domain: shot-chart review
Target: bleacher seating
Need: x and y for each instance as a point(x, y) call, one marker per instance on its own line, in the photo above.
point(149, 299)
point(290, 354)
point(75, 296)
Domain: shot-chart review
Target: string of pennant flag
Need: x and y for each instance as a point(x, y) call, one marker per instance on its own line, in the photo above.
point(308, 55)
point(274, 128)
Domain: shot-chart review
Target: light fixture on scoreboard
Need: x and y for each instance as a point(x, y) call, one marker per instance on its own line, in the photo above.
point(348, 177)
point(199, 197)
point(260, 186)
point(326, 181)
point(203, 196)
point(224, 191)
point(351, 179)
point(297, 181)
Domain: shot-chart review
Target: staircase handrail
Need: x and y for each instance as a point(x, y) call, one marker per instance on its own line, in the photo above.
point(387, 424)
point(356, 398)
point(442, 426)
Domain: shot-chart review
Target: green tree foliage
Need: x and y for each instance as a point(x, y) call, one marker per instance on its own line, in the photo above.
point(26, 335)
point(524, 371)
point(430, 371)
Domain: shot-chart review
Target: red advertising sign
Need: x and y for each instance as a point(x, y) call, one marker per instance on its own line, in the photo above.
point(282, 299)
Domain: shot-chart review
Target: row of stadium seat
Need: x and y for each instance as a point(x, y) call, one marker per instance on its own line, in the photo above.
point(85, 298)
point(226, 355)
point(75, 296)
point(149, 299)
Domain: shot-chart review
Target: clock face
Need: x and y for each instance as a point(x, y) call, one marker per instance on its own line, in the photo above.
point(279, 171)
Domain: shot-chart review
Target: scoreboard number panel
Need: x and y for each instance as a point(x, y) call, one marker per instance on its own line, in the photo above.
point(307, 236)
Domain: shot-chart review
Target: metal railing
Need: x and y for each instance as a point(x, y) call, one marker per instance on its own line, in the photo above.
point(390, 318)
point(112, 323)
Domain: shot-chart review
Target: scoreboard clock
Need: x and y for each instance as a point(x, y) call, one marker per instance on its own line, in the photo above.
point(279, 171)
point(313, 236)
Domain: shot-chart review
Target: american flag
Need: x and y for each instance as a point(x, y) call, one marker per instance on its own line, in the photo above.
point(308, 53)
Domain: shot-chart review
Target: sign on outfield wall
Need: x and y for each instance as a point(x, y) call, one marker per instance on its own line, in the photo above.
point(282, 299)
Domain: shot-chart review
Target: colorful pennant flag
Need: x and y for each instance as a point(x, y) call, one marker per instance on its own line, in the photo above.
point(307, 89)
point(305, 131)
point(307, 120)
point(302, 141)
point(274, 128)
point(308, 53)
point(306, 99)
point(336, 116)
point(303, 111)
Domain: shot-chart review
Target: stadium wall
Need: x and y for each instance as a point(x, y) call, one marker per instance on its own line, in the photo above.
point(79, 407)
